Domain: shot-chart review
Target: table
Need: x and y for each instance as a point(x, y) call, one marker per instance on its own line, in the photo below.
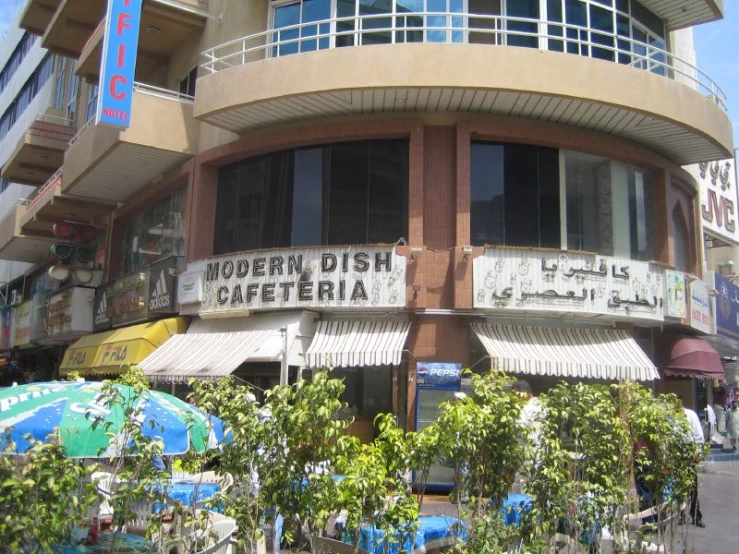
point(515, 506)
point(120, 543)
point(431, 532)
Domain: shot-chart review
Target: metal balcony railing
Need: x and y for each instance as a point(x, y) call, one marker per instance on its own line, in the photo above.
point(449, 27)
point(54, 180)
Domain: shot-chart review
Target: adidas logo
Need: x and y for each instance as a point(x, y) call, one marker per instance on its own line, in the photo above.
point(160, 298)
point(102, 315)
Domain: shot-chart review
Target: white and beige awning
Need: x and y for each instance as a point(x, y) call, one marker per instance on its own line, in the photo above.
point(213, 348)
point(357, 343)
point(610, 354)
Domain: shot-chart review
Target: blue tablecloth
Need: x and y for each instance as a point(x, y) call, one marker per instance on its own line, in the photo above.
point(188, 492)
point(124, 544)
point(429, 528)
point(515, 506)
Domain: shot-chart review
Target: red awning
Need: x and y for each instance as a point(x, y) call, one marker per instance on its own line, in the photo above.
point(687, 356)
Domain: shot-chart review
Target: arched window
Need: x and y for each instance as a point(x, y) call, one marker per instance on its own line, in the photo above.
point(680, 239)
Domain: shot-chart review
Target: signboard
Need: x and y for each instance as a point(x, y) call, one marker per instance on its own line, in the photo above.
point(190, 287)
point(6, 318)
point(676, 301)
point(162, 286)
point(700, 312)
point(318, 277)
point(102, 310)
point(129, 300)
point(118, 63)
point(727, 307)
point(38, 316)
point(22, 324)
point(717, 184)
point(70, 313)
point(432, 374)
point(566, 282)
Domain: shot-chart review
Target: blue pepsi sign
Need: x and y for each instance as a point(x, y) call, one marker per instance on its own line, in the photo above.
point(118, 63)
point(727, 308)
point(438, 373)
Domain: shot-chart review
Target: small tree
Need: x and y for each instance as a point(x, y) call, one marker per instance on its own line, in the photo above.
point(43, 496)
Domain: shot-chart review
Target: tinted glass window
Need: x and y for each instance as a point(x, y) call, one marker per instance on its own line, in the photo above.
point(345, 193)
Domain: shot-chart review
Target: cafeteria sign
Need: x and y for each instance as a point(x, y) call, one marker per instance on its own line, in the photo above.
point(370, 277)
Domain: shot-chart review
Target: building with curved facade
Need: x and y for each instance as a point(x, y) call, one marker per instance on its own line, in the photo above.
point(394, 188)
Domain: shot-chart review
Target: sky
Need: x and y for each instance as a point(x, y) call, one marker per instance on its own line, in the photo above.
point(716, 44)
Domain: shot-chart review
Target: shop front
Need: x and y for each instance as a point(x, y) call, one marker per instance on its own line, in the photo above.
point(273, 316)
point(130, 317)
point(726, 340)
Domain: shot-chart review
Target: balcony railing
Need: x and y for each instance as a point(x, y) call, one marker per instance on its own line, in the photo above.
point(438, 27)
point(54, 180)
point(144, 89)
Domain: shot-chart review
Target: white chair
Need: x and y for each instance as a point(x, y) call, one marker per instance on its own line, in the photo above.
point(215, 538)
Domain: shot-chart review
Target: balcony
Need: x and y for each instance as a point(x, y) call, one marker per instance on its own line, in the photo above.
point(112, 165)
point(48, 205)
point(456, 62)
point(71, 26)
point(165, 27)
point(16, 246)
point(40, 151)
point(38, 14)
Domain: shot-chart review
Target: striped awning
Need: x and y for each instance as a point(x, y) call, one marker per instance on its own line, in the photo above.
point(356, 343)
point(611, 354)
point(202, 355)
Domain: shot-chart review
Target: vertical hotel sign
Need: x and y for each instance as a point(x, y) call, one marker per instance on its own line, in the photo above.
point(118, 61)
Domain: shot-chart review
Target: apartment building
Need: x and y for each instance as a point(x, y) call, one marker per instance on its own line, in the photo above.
point(392, 188)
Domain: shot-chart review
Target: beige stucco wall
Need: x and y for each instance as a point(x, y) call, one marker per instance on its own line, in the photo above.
point(471, 66)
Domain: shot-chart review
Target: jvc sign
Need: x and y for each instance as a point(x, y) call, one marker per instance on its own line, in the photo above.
point(719, 210)
point(118, 63)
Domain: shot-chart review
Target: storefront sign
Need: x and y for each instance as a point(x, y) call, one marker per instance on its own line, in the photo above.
point(70, 313)
point(676, 301)
point(438, 373)
point(129, 301)
point(727, 307)
point(546, 281)
point(719, 211)
point(118, 66)
point(39, 304)
point(22, 324)
point(162, 286)
point(701, 314)
point(348, 277)
point(102, 309)
point(190, 287)
point(6, 318)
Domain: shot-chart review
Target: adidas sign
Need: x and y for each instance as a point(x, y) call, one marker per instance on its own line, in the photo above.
point(160, 297)
point(102, 316)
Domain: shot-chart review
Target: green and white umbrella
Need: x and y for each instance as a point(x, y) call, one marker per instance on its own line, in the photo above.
point(66, 412)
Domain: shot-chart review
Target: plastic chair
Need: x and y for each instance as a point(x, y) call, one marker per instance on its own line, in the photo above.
point(214, 539)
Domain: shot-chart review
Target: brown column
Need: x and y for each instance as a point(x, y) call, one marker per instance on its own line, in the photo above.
point(662, 216)
point(202, 212)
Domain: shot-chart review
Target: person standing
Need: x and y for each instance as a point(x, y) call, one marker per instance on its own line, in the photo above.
point(696, 430)
point(732, 425)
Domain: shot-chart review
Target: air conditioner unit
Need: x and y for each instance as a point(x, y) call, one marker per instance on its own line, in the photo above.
point(16, 297)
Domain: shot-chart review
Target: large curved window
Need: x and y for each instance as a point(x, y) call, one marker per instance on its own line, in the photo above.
point(524, 195)
point(343, 193)
point(622, 31)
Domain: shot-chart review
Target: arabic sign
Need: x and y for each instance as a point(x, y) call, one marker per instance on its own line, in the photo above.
point(70, 313)
point(701, 314)
point(118, 63)
point(22, 324)
point(127, 300)
point(190, 287)
point(6, 318)
point(39, 304)
point(320, 277)
point(547, 281)
point(432, 374)
point(676, 301)
point(727, 307)
point(719, 211)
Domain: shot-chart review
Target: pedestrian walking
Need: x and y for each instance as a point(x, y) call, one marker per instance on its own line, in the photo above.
point(697, 437)
point(732, 424)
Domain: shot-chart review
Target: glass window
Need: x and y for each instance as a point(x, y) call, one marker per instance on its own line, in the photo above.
point(154, 234)
point(92, 101)
point(681, 240)
point(288, 19)
point(522, 33)
point(345, 193)
point(187, 85)
point(515, 195)
point(610, 207)
point(72, 94)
